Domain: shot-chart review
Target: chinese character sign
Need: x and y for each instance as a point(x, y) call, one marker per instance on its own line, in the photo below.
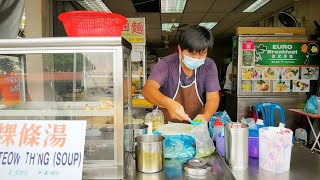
point(41, 149)
point(134, 30)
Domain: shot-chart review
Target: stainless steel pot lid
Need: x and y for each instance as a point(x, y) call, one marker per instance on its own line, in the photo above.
point(107, 129)
point(197, 167)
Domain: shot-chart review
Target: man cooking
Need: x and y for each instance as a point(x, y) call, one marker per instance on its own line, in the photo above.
point(185, 85)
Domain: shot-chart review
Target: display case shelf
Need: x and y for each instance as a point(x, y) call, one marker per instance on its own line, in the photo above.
point(55, 109)
point(87, 113)
point(137, 76)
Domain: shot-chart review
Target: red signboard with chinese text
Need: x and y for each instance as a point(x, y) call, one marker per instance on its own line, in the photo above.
point(134, 30)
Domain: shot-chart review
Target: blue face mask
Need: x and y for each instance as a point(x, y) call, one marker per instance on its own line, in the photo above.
point(193, 63)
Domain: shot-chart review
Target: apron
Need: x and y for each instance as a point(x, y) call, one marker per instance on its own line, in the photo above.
point(188, 97)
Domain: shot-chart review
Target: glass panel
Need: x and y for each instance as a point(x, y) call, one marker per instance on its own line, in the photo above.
point(126, 87)
point(10, 80)
point(62, 86)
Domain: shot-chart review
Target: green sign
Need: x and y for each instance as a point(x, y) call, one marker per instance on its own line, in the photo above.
point(247, 58)
point(287, 53)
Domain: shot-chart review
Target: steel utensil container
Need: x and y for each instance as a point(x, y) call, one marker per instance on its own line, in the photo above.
point(236, 145)
point(130, 132)
point(149, 153)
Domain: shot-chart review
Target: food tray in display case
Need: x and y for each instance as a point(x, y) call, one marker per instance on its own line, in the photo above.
point(72, 79)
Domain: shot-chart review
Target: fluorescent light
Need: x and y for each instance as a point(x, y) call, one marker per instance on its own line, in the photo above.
point(94, 5)
point(172, 6)
point(167, 26)
point(208, 25)
point(256, 5)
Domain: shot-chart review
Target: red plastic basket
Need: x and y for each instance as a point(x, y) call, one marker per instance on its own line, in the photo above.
point(92, 23)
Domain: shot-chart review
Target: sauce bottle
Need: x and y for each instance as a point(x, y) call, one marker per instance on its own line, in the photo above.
point(217, 128)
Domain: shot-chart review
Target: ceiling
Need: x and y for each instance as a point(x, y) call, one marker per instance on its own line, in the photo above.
point(228, 14)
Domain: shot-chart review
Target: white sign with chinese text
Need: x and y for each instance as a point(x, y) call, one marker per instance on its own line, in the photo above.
point(134, 30)
point(137, 53)
point(41, 149)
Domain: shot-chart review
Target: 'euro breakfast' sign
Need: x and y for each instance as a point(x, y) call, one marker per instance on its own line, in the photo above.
point(287, 53)
point(40, 150)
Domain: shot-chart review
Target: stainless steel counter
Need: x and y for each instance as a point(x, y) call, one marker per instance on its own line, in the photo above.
point(173, 170)
point(304, 165)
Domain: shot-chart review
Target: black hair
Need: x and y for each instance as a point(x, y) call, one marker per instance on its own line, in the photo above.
point(196, 38)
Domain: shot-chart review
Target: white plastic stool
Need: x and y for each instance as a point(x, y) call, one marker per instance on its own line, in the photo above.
point(302, 135)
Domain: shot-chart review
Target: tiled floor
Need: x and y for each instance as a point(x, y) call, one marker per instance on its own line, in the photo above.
point(310, 146)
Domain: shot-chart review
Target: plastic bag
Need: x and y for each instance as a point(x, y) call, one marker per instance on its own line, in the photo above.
point(154, 119)
point(224, 118)
point(204, 143)
point(311, 105)
point(275, 144)
point(250, 122)
point(178, 146)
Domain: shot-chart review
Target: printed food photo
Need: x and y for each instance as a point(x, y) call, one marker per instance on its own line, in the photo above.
point(246, 86)
point(261, 86)
point(301, 85)
point(250, 73)
point(290, 73)
point(311, 73)
point(270, 73)
point(281, 86)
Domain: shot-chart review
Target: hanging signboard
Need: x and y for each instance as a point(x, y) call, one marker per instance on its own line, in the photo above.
point(134, 30)
point(40, 150)
point(287, 53)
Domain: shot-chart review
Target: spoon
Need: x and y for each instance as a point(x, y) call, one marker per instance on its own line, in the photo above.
point(193, 122)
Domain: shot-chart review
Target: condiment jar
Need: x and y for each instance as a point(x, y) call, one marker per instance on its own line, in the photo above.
point(154, 119)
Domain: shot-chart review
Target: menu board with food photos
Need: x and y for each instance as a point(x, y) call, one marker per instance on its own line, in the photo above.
point(284, 79)
point(279, 66)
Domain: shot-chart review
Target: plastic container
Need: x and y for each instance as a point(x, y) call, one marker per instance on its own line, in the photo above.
point(275, 146)
point(220, 144)
point(253, 147)
point(154, 119)
point(92, 23)
point(217, 128)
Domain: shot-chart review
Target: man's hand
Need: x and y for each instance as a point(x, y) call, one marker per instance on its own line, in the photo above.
point(202, 117)
point(176, 111)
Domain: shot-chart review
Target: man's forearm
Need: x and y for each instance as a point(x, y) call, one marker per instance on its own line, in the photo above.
point(211, 105)
point(155, 97)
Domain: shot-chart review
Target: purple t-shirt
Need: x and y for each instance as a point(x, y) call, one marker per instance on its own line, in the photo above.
point(166, 73)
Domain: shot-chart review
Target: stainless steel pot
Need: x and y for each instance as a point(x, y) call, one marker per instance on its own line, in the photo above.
point(107, 133)
point(130, 132)
point(149, 153)
point(236, 145)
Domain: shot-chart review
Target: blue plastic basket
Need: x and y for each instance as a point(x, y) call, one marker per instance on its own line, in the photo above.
point(254, 147)
point(220, 144)
point(255, 132)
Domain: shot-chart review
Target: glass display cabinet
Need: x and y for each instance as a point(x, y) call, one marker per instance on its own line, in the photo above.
point(72, 79)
